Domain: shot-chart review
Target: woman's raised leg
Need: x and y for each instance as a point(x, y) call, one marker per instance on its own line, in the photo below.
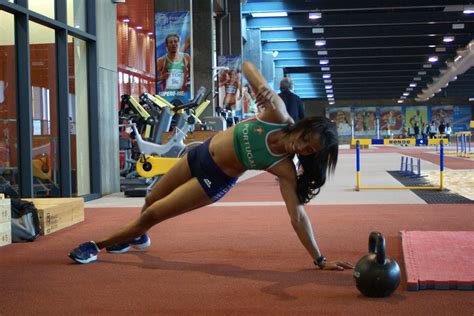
point(176, 176)
point(184, 198)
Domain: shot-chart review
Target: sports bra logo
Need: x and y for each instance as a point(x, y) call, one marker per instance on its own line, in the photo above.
point(247, 148)
point(258, 130)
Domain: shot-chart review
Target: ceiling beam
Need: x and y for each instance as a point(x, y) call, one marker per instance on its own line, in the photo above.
point(367, 19)
point(331, 5)
point(365, 43)
point(367, 32)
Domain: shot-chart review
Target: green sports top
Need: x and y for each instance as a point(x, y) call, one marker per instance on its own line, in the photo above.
point(251, 146)
point(176, 73)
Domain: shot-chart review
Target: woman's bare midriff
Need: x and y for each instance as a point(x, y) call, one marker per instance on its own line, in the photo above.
point(222, 151)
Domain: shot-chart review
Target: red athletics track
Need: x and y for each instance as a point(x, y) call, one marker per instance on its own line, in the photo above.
point(243, 260)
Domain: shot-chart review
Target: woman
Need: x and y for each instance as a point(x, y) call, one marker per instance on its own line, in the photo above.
point(267, 142)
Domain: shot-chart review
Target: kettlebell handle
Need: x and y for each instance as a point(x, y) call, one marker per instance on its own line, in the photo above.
point(377, 246)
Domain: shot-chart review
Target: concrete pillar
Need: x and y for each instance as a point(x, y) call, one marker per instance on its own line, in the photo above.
point(203, 48)
point(232, 29)
point(172, 6)
point(107, 79)
point(268, 67)
point(253, 48)
point(278, 75)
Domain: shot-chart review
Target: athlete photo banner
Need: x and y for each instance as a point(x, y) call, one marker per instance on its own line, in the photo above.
point(365, 121)
point(230, 83)
point(416, 117)
point(173, 56)
point(461, 118)
point(391, 120)
point(343, 118)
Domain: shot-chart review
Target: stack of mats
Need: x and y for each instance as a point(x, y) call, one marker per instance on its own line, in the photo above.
point(441, 260)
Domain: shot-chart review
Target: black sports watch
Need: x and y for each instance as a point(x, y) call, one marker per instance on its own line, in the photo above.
point(320, 261)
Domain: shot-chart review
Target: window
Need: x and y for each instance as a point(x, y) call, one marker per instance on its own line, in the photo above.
point(8, 122)
point(78, 117)
point(44, 110)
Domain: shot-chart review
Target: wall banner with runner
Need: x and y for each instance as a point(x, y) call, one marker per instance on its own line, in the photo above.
point(173, 56)
point(230, 85)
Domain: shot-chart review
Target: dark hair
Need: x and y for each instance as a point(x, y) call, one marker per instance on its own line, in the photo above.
point(314, 168)
point(286, 84)
point(172, 35)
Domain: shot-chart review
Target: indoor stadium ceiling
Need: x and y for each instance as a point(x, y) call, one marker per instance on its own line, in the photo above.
point(368, 49)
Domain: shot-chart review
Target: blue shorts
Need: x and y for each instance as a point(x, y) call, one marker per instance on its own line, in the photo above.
point(215, 182)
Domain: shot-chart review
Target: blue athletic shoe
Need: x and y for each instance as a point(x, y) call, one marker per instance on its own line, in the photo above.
point(85, 253)
point(118, 248)
point(141, 242)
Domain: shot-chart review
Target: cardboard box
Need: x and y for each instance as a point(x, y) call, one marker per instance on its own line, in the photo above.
point(58, 213)
point(5, 209)
point(5, 233)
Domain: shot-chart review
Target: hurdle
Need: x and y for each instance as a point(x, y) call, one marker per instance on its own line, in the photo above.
point(360, 187)
point(463, 144)
point(407, 167)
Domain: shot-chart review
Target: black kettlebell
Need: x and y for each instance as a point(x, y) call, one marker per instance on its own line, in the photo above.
point(375, 274)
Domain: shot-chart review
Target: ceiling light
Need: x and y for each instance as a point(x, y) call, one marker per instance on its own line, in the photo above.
point(422, 73)
point(269, 14)
point(330, 95)
point(324, 61)
point(329, 91)
point(314, 15)
point(275, 53)
point(406, 94)
point(332, 102)
point(412, 84)
point(322, 52)
point(126, 20)
point(280, 40)
point(471, 99)
point(409, 89)
point(326, 76)
point(318, 30)
point(286, 28)
point(328, 86)
point(320, 42)
point(458, 26)
point(433, 59)
point(139, 27)
point(468, 9)
point(325, 68)
point(440, 49)
point(427, 66)
point(403, 97)
point(400, 101)
point(331, 99)
point(327, 81)
point(150, 33)
point(417, 79)
point(432, 46)
point(448, 39)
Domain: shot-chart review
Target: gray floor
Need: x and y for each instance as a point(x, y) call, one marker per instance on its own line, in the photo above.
point(340, 188)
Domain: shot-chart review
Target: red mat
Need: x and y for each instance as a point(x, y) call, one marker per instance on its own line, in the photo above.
point(441, 260)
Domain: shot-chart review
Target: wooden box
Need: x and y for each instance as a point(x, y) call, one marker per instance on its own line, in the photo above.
point(5, 209)
point(58, 213)
point(5, 233)
point(196, 136)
